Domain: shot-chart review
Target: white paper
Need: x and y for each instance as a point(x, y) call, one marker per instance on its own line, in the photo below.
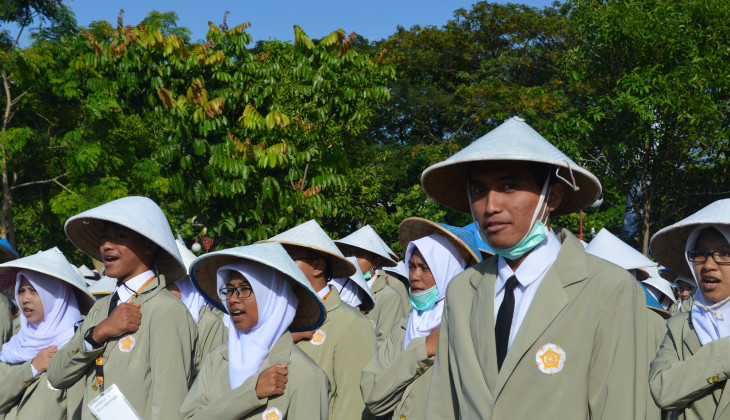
point(112, 405)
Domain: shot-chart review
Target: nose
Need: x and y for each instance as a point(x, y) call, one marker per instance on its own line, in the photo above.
point(415, 276)
point(492, 202)
point(709, 264)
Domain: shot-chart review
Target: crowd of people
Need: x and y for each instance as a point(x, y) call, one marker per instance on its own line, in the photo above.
point(506, 318)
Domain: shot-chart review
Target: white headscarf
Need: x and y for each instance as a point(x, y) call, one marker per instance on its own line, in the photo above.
point(349, 291)
point(191, 297)
point(277, 305)
point(445, 263)
point(711, 320)
point(61, 313)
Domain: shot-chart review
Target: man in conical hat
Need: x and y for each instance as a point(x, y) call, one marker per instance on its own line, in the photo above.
point(141, 338)
point(6, 319)
point(541, 329)
point(345, 342)
point(365, 245)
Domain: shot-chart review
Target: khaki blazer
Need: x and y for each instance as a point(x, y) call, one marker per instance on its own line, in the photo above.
point(657, 331)
point(402, 292)
point(153, 372)
point(6, 320)
point(24, 396)
point(396, 381)
point(305, 396)
point(211, 334)
point(388, 308)
point(341, 347)
point(686, 306)
point(589, 309)
point(687, 377)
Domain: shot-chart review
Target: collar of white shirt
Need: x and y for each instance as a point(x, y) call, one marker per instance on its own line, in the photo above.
point(534, 267)
point(135, 283)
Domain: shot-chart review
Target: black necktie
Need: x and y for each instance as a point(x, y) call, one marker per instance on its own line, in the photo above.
point(113, 304)
point(504, 320)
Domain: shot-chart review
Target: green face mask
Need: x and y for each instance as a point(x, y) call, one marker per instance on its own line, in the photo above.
point(424, 300)
point(533, 239)
point(367, 275)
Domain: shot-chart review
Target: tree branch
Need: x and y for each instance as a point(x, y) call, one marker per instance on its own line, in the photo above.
point(45, 181)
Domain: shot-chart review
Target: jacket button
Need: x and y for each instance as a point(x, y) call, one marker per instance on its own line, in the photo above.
point(713, 379)
point(94, 387)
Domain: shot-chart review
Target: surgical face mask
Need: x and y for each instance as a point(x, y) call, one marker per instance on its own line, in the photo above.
point(367, 275)
point(537, 233)
point(424, 300)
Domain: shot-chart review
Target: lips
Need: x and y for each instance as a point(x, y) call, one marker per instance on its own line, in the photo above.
point(710, 283)
point(493, 226)
point(237, 314)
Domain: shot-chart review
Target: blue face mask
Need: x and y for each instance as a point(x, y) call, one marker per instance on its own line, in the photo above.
point(533, 239)
point(367, 275)
point(424, 300)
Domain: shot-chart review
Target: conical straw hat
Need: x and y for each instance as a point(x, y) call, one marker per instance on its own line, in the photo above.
point(414, 228)
point(446, 181)
point(53, 263)
point(658, 283)
point(7, 253)
point(668, 245)
point(187, 255)
point(400, 272)
point(654, 304)
point(368, 240)
point(139, 214)
point(102, 287)
point(310, 313)
point(311, 236)
point(609, 247)
point(484, 248)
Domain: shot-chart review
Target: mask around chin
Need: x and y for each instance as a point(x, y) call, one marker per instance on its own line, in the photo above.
point(424, 300)
point(528, 243)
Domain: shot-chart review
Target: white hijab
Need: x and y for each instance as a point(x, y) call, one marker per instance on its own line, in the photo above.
point(711, 320)
point(277, 306)
point(191, 297)
point(61, 313)
point(445, 263)
point(349, 291)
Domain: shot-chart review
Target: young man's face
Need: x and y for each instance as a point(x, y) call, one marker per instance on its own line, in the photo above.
point(685, 290)
point(504, 197)
point(125, 253)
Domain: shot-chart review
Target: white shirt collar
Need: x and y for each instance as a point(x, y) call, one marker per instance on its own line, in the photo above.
point(533, 267)
point(135, 283)
point(325, 290)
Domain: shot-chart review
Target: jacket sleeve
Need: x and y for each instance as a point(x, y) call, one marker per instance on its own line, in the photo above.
point(204, 401)
point(171, 359)
point(357, 346)
point(70, 364)
point(211, 333)
point(677, 383)
point(617, 384)
point(391, 311)
point(442, 394)
point(15, 380)
point(386, 376)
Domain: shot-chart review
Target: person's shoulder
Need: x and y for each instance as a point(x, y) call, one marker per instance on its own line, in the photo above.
point(467, 281)
point(346, 314)
point(679, 320)
point(302, 366)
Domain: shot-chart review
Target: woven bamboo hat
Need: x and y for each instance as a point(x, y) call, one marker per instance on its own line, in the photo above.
point(446, 181)
point(369, 299)
point(103, 287)
point(368, 240)
point(658, 283)
point(53, 263)
point(311, 236)
point(310, 312)
point(139, 214)
point(7, 253)
point(654, 304)
point(400, 272)
point(608, 246)
point(414, 228)
point(484, 248)
point(187, 255)
point(668, 245)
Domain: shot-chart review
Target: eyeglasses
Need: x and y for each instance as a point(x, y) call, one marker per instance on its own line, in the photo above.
point(719, 257)
point(242, 292)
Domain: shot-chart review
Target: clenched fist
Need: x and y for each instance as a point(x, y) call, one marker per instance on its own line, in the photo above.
point(43, 358)
point(125, 318)
point(272, 381)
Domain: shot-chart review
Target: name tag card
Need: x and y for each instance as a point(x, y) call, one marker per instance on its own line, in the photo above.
point(112, 405)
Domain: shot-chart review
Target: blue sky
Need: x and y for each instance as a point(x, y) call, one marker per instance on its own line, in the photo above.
point(374, 19)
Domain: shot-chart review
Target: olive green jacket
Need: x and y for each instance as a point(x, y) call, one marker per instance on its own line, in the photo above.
point(587, 313)
point(388, 308)
point(341, 347)
point(305, 396)
point(211, 334)
point(657, 331)
point(687, 377)
point(396, 381)
point(6, 320)
point(402, 292)
point(24, 396)
point(153, 370)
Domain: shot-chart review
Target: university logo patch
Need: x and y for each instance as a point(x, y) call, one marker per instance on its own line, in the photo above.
point(318, 338)
point(126, 344)
point(372, 322)
point(272, 413)
point(550, 358)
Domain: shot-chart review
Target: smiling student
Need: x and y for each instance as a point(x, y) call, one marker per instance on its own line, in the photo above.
point(542, 329)
point(260, 373)
point(395, 382)
point(52, 298)
point(690, 371)
point(141, 338)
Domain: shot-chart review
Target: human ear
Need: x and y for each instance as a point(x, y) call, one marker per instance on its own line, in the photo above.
point(318, 267)
point(555, 196)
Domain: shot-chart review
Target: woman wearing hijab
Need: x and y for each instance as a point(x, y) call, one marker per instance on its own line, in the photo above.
point(395, 382)
point(259, 373)
point(52, 297)
point(690, 370)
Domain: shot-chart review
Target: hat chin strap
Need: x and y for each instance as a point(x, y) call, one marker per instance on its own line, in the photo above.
point(540, 211)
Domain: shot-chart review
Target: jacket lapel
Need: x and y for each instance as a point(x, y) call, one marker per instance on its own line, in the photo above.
point(482, 331)
point(550, 299)
point(690, 340)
